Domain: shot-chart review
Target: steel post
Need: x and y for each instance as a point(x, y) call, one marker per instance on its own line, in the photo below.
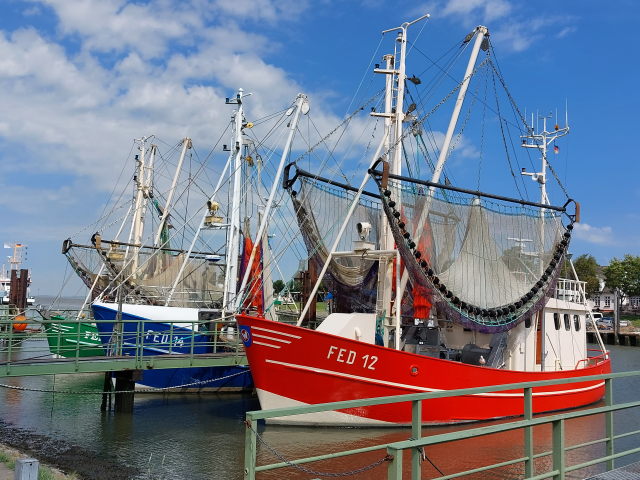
point(416, 433)
point(608, 419)
point(558, 449)
point(529, 467)
point(250, 450)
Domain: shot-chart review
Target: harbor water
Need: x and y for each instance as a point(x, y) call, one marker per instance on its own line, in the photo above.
point(191, 436)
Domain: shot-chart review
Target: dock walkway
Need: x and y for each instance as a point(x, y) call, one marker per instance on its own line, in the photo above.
point(628, 472)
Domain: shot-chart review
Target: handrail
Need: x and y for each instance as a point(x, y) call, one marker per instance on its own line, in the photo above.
point(395, 450)
point(81, 346)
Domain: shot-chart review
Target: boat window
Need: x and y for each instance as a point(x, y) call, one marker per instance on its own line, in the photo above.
point(527, 322)
point(556, 320)
point(567, 322)
point(576, 322)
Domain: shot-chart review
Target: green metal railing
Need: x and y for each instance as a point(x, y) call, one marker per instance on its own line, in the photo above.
point(55, 346)
point(393, 452)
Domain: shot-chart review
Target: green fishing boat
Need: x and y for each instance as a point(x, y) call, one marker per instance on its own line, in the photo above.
point(72, 339)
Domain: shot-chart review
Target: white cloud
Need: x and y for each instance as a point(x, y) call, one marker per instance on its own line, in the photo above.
point(106, 25)
point(486, 10)
point(591, 234)
point(509, 30)
point(268, 10)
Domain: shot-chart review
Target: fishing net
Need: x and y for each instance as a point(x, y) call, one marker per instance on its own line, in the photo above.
point(150, 278)
point(487, 263)
point(320, 209)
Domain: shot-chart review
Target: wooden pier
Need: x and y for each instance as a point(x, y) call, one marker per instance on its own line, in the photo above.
point(630, 339)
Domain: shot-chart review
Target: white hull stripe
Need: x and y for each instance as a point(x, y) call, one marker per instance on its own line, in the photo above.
point(427, 389)
point(257, 335)
point(266, 344)
point(297, 337)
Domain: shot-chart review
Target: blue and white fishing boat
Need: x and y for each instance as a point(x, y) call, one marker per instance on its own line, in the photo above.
point(153, 297)
point(161, 300)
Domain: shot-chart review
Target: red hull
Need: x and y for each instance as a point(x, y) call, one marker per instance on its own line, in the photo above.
point(292, 366)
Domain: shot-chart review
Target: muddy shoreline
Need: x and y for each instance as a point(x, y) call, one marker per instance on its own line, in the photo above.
point(66, 456)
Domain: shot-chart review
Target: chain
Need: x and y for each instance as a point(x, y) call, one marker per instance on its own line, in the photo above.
point(289, 463)
point(144, 390)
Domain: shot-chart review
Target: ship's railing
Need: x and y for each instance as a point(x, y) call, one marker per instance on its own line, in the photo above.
point(570, 290)
point(30, 344)
point(392, 454)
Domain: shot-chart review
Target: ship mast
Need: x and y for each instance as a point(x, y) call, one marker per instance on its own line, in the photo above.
point(541, 141)
point(233, 232)
point(301, 108)
point(394, 117)
point(481, 33)
point(390, 145)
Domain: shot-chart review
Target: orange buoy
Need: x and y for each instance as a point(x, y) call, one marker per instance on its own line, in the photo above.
point(20, 323)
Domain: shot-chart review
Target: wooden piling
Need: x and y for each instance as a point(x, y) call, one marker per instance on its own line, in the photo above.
point(125, 386)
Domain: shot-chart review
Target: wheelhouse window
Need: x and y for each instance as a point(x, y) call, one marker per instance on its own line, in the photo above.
point(576, 322)
point(567, 322)
point(556, 320)
point(527, 322)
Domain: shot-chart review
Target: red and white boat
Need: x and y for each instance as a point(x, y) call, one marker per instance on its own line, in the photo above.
point(294, 366)
point(456, 299)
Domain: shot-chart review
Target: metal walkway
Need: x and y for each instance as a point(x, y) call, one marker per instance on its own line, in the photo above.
point(54, 366)
point(50, 347)
point(628, 472)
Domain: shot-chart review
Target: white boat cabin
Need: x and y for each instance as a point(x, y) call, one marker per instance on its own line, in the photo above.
point(559, 330)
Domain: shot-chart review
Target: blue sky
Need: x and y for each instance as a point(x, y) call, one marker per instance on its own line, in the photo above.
point(79, 80)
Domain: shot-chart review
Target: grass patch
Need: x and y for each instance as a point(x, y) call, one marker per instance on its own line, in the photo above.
point(632, 319)
point(44, 472)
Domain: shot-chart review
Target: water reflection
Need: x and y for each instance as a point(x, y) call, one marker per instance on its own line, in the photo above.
point(202, 436)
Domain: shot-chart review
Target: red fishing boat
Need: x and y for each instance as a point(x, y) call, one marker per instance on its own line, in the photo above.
point(457, 288)
point(294, 366)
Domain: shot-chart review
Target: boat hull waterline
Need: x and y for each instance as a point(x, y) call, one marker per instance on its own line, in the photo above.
point(294, 366)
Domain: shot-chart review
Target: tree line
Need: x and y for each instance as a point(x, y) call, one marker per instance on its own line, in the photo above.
point(622, 275)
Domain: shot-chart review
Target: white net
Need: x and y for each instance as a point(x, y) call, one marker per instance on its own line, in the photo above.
point(488, 262)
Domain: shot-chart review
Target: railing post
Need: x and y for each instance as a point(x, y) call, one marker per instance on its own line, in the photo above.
point(77, 349)
point(140, 342)
point(608, 419)
point(528, 434)
point(250, 450)
point(10, 340)
point(171, 332)
point(394, 471)
point(558, 449)
point(416, 433)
